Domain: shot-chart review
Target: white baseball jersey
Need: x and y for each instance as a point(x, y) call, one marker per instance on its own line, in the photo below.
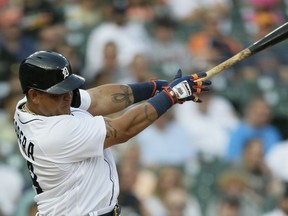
point(71, 172)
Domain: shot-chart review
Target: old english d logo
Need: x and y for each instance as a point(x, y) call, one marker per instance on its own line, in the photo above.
point(65, 72)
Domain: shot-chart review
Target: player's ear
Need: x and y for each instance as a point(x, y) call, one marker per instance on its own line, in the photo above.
point(33, 95)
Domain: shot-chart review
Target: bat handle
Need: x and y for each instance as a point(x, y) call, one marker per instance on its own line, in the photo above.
point(228, 63)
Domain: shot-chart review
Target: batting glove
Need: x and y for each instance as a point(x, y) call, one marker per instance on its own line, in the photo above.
point(182, 89)
point(159, 85)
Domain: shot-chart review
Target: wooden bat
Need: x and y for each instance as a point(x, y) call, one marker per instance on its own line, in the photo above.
point(274, 37)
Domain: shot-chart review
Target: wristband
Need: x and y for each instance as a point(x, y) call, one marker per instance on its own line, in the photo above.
point(85, 100)
point(161, 102)
point(142, 91)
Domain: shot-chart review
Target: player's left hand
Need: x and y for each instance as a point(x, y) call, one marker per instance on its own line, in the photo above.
point(186, 88)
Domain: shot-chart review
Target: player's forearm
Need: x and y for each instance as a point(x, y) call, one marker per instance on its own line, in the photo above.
point(129, 124)
point(136, 119)
point(110, 98)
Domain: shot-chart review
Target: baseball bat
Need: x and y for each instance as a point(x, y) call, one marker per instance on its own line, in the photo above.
point(272, 38)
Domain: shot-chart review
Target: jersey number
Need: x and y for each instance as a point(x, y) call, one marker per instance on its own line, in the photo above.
point(34, 178)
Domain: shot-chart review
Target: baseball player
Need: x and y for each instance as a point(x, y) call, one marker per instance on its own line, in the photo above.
point(65, 137)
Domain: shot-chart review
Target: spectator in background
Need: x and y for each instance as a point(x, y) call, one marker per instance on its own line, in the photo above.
point(111, 71)
point(7, 65)
point(51, 37)
point(277, 159)
point(12, 39)
point(11, 187)
point(258, 13)
point(213, 121)
point(168, 53)
point(131, 205)
point(256, 122)
point(281, 208)
point(14, 46)
point(26, 206)
point(176, 203)
point(210, 45)
point(183, 10)
point(140, 11)
point(260, 177)
point(161, 8)
point(228, 206)
point(32, 209)
point(130, 38)
point(246, 84)
point(13, 82)
point(16, 42)
point(74, 57)
point(159, 144)
point(38, 14)
point(266, 68)
point(263, 185)
point(260, 17)
point(146, 179)
point(171, 179)
point(187, 11)
point(9, 152)
point(266, 19)
point(140, 70)
point(233, 184)
point(3, 3)
point(8, 142)
point(81, 16)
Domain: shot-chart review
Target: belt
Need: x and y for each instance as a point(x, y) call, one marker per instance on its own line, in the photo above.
point(115, 212)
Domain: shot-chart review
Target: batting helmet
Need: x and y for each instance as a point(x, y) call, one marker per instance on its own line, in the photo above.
point(48, 72)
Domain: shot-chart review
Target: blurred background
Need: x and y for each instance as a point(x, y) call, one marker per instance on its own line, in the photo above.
point(224, 157)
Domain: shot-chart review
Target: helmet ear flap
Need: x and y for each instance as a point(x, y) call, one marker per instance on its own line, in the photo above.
point(76, 101)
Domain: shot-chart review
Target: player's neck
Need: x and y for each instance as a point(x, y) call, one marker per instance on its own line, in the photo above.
point(25, 108)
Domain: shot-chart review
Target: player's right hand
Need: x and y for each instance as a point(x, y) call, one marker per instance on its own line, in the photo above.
point(182, 89)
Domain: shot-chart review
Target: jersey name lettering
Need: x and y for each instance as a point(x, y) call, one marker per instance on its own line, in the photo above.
point(29, 151)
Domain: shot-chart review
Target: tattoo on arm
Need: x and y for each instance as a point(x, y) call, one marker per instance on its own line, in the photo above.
point(125, 96)
point(111, 132)
point(148, 117)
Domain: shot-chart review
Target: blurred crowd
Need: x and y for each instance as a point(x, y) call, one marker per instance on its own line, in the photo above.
point(224, 157)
